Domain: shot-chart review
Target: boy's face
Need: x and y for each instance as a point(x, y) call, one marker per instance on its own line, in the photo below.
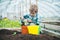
point(33, 11)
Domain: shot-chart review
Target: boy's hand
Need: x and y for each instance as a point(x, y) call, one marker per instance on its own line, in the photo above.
point(29, 20)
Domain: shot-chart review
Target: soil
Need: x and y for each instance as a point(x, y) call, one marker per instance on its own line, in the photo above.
point(8, 35)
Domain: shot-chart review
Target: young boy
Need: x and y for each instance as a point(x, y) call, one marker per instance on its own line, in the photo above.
point(33, 16)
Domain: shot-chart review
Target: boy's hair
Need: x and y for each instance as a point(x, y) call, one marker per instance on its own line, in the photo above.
point(33, 7)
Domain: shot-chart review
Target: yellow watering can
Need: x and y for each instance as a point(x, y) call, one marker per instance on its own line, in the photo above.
point(34, 29)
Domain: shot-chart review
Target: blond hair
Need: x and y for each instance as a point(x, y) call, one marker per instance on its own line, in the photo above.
point(35, 7)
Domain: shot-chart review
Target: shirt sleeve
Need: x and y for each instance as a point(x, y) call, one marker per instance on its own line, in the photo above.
point(26, 16)
point(39, 20)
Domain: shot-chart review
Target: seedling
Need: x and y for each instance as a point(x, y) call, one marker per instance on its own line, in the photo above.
point(14, 33)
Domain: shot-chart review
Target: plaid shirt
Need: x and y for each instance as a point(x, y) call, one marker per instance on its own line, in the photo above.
point(36, 19)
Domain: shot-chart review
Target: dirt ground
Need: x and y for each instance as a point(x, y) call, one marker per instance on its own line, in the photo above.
point(8, 35)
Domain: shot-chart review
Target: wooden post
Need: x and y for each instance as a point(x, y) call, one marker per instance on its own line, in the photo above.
point(36, 2)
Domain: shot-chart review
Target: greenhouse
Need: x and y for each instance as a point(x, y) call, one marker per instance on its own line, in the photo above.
point(11, 12)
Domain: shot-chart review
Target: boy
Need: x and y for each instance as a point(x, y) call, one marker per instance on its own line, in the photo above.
point(33, 16)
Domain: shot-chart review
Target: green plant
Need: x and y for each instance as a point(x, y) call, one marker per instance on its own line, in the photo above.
point(6, 23)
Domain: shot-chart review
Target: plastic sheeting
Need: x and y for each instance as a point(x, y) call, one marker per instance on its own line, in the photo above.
point(16, 8)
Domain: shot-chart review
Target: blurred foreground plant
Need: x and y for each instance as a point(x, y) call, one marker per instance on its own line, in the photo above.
point(6, 23)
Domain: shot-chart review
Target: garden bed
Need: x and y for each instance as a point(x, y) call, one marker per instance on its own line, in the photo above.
point(9, 35)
